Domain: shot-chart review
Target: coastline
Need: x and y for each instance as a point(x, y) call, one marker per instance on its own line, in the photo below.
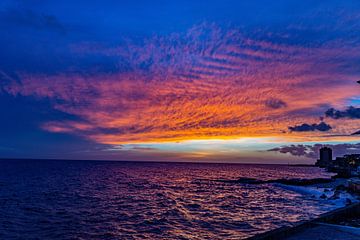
point(342, 221)
point(298, 229)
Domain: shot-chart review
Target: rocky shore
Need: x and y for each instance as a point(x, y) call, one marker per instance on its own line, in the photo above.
point(342, 223)
point(293, 181)
point(329, 188)
point(338, 224)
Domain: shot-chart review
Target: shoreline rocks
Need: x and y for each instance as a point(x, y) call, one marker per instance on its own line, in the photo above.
point(293, 181)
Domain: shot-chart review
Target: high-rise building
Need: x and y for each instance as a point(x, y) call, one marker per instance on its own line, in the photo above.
point(325, 157)
point(325, 154)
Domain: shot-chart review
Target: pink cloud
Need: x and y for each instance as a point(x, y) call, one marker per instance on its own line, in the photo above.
point(204, 83)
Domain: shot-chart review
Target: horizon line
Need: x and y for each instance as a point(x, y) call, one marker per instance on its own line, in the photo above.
point(154, 161)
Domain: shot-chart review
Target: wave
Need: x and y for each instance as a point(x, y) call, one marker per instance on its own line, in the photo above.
point(336, 197)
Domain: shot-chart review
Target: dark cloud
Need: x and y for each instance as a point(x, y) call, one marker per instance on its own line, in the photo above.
point(275, 103)
point(295, 150)
point(322, 126)
point(312, 151)
point(32, 19)
point(356, 133)
point(144, 148)
point(351, 112)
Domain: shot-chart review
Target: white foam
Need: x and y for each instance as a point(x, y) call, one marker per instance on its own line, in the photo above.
point(317, 192)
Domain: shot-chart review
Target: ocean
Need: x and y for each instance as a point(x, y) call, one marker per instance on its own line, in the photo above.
point(44, 199)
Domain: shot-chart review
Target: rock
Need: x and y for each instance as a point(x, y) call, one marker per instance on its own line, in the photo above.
point(335, 196)
point(302, 182)
point(341, 187)
point(354, 186)
point(294, 181)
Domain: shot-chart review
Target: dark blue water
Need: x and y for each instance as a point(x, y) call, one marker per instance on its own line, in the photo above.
point(122, 200)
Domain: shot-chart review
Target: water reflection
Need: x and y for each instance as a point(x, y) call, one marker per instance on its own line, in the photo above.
point(102, 200)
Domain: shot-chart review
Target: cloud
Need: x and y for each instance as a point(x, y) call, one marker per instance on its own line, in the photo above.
point(275, 103)
point(21, 135)
point(208, 82)
point(322, 126)
point(356, 133)
point(143, 148)
point(296, 150)
point(351, 112)
point(312, 151)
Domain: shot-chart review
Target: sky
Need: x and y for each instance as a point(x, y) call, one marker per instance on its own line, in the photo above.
point(209, 81)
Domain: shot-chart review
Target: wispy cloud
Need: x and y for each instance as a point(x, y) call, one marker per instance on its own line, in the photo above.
point(312, 151)
point(275, 103)
point(207, 82)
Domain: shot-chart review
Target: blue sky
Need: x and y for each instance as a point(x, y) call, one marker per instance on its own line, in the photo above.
point(163, 80)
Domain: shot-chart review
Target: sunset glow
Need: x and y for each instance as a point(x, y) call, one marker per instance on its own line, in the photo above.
point(204, 80)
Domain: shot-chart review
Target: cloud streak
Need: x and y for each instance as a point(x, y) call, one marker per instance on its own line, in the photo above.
point(312, 151)
point(207, 82)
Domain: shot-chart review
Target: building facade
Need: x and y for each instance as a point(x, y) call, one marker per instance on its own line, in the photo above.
point(325, 157)
point(345, 166)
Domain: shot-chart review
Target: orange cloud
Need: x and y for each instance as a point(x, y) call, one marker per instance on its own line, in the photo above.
point(207, 83)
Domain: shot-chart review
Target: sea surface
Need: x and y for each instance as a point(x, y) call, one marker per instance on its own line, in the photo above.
point(46, 199)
